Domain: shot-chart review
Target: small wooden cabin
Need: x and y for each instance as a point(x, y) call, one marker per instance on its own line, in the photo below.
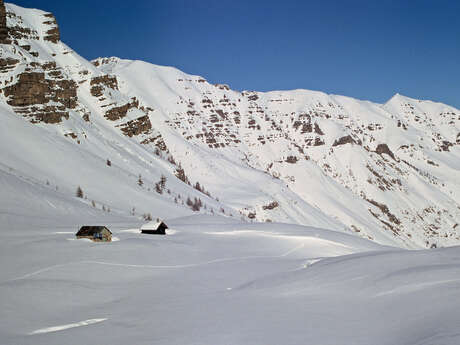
point(154, 228)
point(95, 233)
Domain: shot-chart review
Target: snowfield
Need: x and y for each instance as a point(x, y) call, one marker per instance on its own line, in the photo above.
point(214, 280)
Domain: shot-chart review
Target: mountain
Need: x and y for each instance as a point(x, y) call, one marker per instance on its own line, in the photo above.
point(114, 142)
point(144, 139)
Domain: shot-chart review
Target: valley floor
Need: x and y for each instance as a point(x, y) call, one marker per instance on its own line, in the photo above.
point(213, 280)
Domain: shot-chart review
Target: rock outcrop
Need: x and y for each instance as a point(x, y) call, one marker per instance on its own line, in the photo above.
point(98, 83)
point(3, 28)
point(40, 91)
point(383, 148)
point(32, 93)
point(53, 34)
point(119, 112)
point(141, 125)
point(348, 139)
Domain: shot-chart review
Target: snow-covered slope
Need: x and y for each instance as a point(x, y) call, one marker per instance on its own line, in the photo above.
point(387, 172)
point(214, 280)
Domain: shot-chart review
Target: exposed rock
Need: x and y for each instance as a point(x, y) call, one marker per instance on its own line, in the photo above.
point(385, 210)
point(158, 141)
point(270, 206)
point(64, 92)
point(445, 145)
point(33, 91)
point(104, 61)
point(3, 27)
point(52, 34)
point(7, 64)
point(344, 140)
point(98, 83)
point(221, 113)
point(383, 148)
point(291, 159)
point(141, 125)
point(50, 65)
point(221, 86)
point(30, 89)
point(18, 32)
point(318, 130)
point(117, 113)
point(318, 142)
point(47, 114)
point(306, 128)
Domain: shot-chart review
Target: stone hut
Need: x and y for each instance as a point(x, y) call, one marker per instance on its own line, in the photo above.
point(95, 233)
point(154, 228)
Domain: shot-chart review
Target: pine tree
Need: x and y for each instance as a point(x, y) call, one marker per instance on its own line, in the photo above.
point(158, 188)
point(163, 181)
point(180, 174)
point(171, 160)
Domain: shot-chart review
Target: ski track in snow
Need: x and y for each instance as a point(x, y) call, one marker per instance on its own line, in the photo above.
point(64, 327)
point(37, 272)
point(46, 269)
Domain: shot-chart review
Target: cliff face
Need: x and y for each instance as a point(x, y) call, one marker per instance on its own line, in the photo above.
point(34, 85)
point(40, 86)
point(52, 34)
point(3, 28)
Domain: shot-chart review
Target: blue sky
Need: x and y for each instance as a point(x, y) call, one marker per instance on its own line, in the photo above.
point(363, 49)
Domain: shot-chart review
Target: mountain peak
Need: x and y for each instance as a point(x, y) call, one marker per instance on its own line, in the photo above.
point(27, 24)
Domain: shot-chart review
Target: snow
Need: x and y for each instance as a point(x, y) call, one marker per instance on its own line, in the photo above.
point(151, 225)
point(218, 281)
point(321, 268)
point(64, 327)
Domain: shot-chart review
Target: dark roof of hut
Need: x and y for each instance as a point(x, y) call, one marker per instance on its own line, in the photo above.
point(91, 230)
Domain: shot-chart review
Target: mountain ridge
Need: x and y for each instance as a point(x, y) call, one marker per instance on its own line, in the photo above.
point(295, 156)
